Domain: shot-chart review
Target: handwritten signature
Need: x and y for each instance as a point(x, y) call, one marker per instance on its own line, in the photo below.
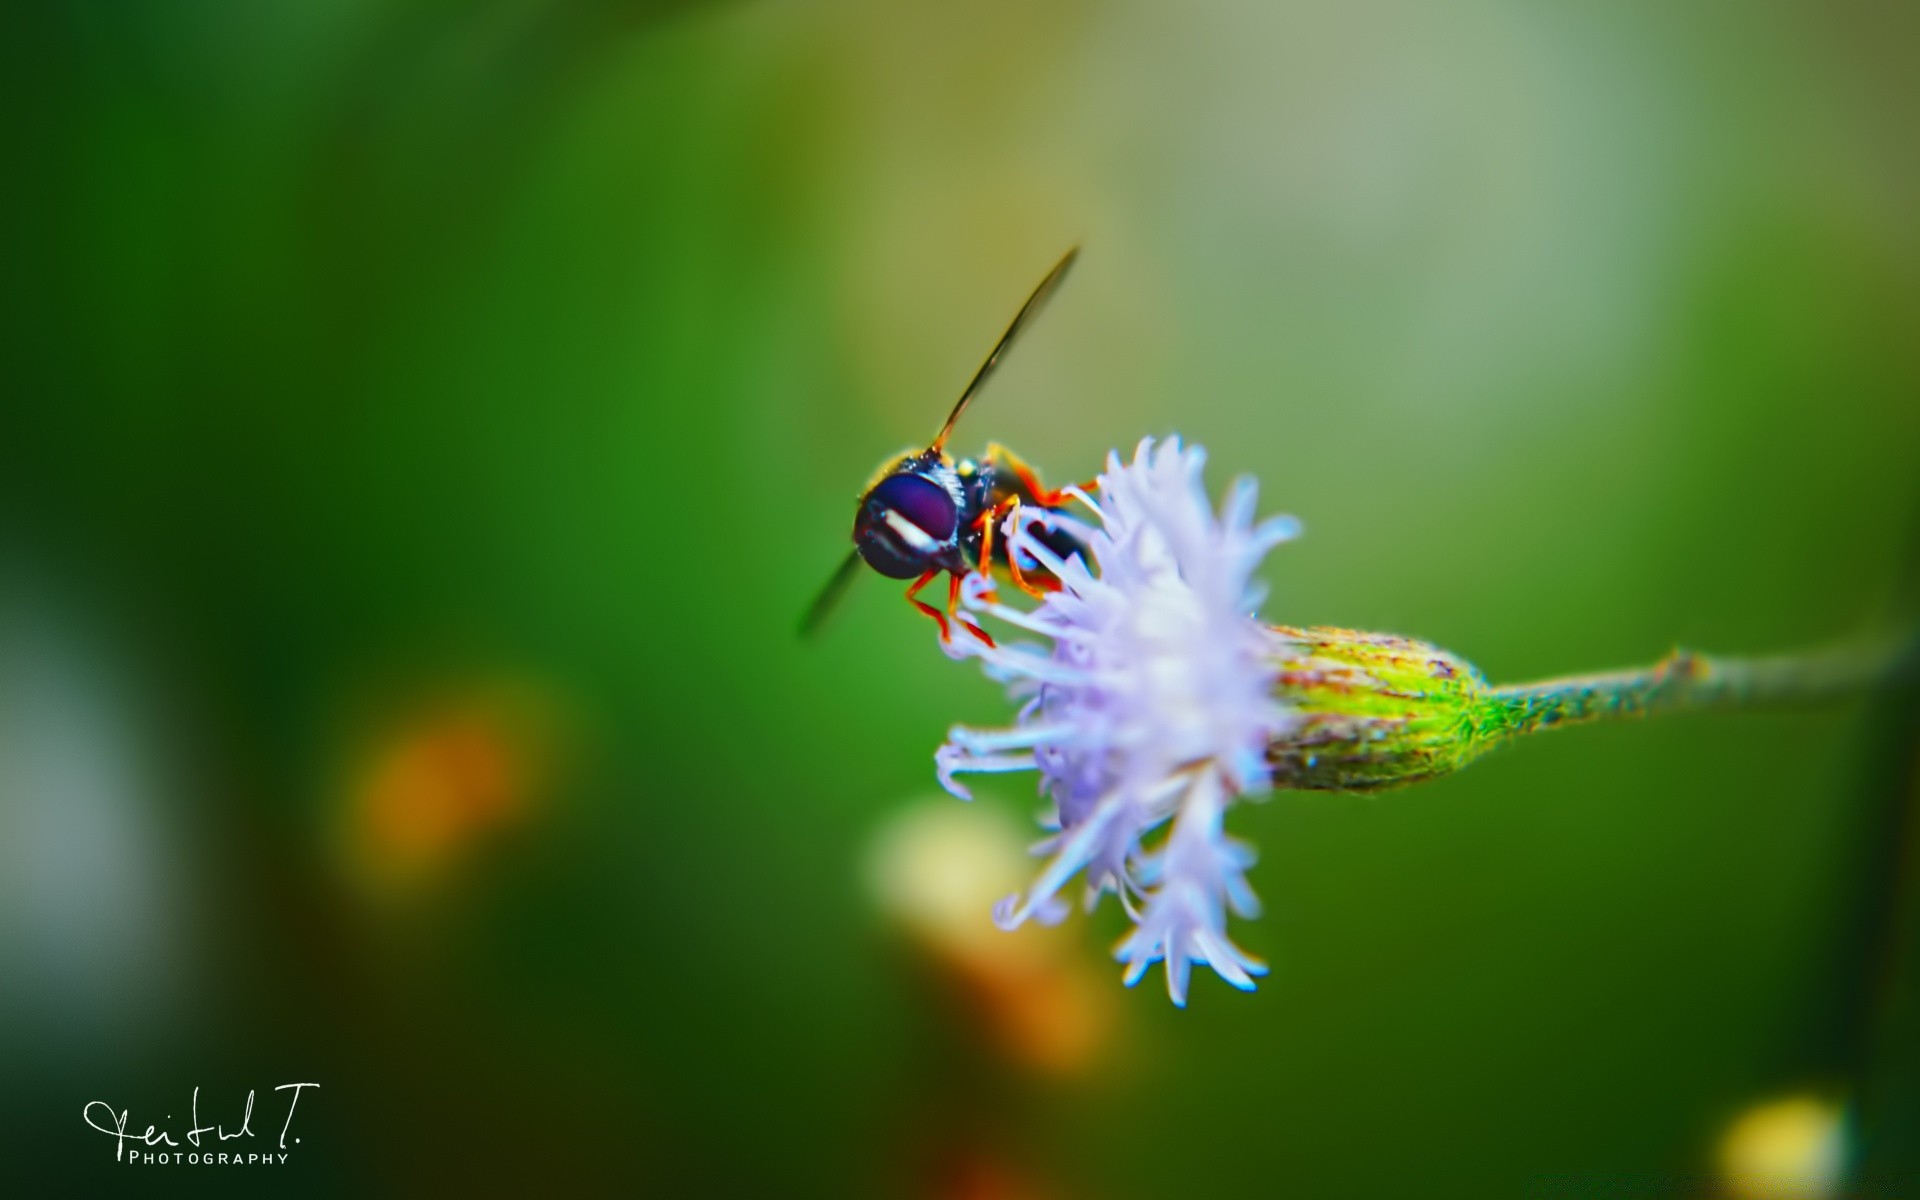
point(156, 1137)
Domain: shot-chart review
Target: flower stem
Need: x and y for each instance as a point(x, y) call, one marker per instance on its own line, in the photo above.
point(1376, 711)
point(1689, 682)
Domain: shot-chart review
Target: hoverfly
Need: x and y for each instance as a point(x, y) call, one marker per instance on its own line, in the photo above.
point(924, 514)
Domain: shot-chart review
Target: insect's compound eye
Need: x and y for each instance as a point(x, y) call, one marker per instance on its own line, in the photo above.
point(922, 502)
point(904, 522)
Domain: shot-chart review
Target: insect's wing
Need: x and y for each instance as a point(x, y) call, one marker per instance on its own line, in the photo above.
point(829, 596)
point(1027, 313)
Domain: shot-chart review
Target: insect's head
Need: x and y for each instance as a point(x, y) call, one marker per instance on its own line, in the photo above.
point(908, 521)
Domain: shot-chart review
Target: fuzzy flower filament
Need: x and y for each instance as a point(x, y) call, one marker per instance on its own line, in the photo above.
point(1151, 704)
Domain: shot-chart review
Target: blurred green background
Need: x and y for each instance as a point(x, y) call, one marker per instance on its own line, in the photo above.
point(424, 423)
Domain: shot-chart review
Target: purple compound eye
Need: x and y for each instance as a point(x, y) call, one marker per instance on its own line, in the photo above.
point(921, 501)
point(904, 523)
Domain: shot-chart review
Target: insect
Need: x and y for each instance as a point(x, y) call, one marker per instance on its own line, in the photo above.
point(924, 514)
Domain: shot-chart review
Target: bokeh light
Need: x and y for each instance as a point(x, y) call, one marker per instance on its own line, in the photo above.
point(436, 785)
point(1792, 1148)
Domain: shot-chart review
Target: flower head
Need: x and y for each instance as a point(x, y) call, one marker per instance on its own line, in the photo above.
point(1153, 705)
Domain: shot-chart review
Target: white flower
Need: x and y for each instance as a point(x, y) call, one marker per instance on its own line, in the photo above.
point(1154, 703)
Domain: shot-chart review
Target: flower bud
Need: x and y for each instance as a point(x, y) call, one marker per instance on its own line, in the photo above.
point(1375, 710)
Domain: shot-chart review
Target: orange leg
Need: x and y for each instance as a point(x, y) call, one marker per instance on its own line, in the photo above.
point(991, 520)
point(953, 607)
point(1012, 505)
point(953, 610)
point(913, 598)
point(999, 455)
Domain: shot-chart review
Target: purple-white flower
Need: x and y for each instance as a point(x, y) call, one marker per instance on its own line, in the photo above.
point(1154, 705)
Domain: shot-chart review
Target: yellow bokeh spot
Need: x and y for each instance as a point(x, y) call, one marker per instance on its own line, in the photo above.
point(1788, 1149)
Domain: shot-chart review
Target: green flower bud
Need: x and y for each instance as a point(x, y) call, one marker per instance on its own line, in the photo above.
point(1376, 710)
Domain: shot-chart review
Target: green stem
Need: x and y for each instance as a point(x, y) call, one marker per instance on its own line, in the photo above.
point(1375, 711)
point(1689, 682)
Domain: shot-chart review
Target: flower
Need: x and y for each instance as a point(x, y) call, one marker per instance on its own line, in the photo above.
point(1158, 699)
point(1154, 704)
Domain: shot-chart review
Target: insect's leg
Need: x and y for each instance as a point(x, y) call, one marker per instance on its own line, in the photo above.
point(999, 456)
point(987, 522)
point(1012, 505)
point(913, 598)
point(953, 610)
point(990, 522)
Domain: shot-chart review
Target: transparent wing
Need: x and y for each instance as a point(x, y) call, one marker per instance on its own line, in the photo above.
point(829, 596)
point(1027, 313)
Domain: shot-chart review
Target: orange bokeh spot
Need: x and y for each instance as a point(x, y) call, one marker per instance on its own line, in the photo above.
point(439, 785)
